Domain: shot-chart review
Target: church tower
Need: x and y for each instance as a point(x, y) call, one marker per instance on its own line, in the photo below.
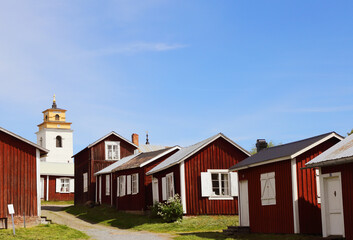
point(55, 134)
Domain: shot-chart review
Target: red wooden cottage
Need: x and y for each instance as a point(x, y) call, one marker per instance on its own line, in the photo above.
point(199, 174)
point(336, 181)
point(275, 194)
point(125, 184)
point(19, 176)
point(96, 156)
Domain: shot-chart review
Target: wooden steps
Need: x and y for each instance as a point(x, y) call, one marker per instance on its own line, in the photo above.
point(45, 220)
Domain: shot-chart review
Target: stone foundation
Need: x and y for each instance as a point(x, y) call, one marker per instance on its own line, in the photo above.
point(19, 221)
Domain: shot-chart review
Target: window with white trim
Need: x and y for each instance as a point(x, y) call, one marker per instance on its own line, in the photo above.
point(85, 182)
point(128, 184)
point(122, 185)
point(112, 150)
point(107, 185)
point(219, 183)
point(135, 183)
point(268, 189)
point(63, 185)
point(169, 185)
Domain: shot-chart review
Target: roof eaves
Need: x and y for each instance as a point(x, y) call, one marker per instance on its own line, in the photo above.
point(160, 155)
point(109, 134)
point(260, 163)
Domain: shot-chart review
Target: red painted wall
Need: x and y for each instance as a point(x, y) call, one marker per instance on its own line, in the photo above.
point(309, 208)
point(176, 173)
point(347, 194)
point(53, 195)
point(18, 180)
point(273, 218)
point(220, 154)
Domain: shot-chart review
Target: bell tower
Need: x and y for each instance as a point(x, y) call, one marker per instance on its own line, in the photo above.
point(55, 134)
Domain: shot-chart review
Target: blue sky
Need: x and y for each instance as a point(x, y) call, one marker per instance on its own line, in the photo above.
point(183, 70)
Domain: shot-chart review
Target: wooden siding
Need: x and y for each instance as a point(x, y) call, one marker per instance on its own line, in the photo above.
point(53, 195)
point(92, 160)
point(309, 208)
point(220, 154)
point(272, 218)
point(176, 173)
point(18, 182)
point(346, 171)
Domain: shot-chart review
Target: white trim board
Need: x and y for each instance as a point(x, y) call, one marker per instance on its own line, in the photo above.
point(295, 196)
point(182, 186)
point(160, 155)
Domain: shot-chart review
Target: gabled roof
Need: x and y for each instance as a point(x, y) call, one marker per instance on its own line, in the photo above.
point(57, 169)
point(136, 160)
point(150, 148)
point(104, 137)
point(186, 152)
point(341, 152)
point(284, 151)
point(42, 150)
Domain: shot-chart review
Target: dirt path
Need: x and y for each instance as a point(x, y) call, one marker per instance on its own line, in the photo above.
point(97, 231)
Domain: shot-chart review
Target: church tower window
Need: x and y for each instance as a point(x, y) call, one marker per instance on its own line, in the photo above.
point(59, 141)
point(57, 117)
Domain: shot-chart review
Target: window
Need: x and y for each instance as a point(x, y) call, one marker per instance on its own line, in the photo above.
point(41, 142)
point(122, 185)
point(107, 185)
point(219, 184)
point(170, 185)
point(128, 184)
point(65, 185)
point(155, 192)
point(85, 182)
point(57, 117)
point(59, 143)
point(112, 150)
point(268, 189)
point(135, 183)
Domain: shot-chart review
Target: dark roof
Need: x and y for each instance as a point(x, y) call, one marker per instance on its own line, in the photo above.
point(140, 159)
point(280, 151)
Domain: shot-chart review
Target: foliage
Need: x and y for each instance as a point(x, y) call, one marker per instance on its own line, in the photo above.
point(350, 132)
point(269, 144)
point(171, 210)
point(154, 210)
point(41, 232)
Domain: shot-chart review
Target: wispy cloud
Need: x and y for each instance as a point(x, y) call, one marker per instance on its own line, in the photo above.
point(137, 47)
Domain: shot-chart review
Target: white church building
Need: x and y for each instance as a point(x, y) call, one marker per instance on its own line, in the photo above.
point(57, 167)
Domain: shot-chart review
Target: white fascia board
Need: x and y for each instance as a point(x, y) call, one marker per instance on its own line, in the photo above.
point(262, 163)
point(183, 186)
point(316, 144)
point(57, 174)
point(160, 155)
point(295, 196)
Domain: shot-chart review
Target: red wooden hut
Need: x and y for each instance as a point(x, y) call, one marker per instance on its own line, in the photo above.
point(336, 181)
point(199, 174)
point(125, 184)
point(275, 194)
point(96, 156)
point(19, 176)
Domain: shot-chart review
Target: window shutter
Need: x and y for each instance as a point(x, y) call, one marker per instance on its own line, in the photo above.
point(155, 190)
point(58, 185)
point(164, 189)
point(206, 184)
point(264, 192)
point(128, 184)
point(318, 192)
point(117, 186)
point(107, 185)
point(272, 188)
point(137, 183)
point(72, 185)
point(234, 184)
point(171, 186)
point(123, 185)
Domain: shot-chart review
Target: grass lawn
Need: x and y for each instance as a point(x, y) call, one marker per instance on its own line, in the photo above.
point(191, 228)
point(57, 202)
point(41, 232)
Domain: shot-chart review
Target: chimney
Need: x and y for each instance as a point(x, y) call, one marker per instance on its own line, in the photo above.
point(261, 144)
point(135, 139)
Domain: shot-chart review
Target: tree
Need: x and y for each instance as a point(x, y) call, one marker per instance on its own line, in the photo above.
point(269, 144)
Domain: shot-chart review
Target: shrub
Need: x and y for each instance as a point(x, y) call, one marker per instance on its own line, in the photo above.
point(171, 210)
point(154, 210)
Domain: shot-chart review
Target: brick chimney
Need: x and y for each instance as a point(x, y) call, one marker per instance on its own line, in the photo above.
point(135, 139)
point(261, 144)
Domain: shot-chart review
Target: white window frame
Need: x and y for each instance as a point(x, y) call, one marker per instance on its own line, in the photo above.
point(112, 144)
point(155, 190)
point(268, 188)
point(212, 195)
point(122, 185)
point(107, 185)
point(85, 182)
point(135, 183)
point(128, 184)
point(170, 191)
point(60, 184)
point(318, 189)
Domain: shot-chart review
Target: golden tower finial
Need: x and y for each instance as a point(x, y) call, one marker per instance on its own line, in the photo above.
point(54, 98)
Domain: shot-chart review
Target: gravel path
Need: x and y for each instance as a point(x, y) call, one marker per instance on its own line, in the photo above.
point(97, 231)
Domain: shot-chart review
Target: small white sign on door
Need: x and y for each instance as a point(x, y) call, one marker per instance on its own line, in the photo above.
point(11, 209)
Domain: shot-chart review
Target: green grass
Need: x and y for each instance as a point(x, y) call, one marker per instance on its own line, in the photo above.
point(41, 232)
point(191, 228)
point(57, 202)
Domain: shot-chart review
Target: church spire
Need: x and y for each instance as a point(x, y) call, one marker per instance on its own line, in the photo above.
point(54, 102)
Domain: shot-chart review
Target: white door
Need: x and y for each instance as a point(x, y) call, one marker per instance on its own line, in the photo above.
point(333, 200)
point(41, 187)
point(244, 203)
point(100, 188)
point(155, 190)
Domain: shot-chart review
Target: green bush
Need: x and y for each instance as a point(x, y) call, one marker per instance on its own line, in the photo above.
point(154, 210)
point(171, 210)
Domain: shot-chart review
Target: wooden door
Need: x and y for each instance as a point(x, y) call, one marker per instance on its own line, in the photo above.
point(244, 203)
point(333, 200)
